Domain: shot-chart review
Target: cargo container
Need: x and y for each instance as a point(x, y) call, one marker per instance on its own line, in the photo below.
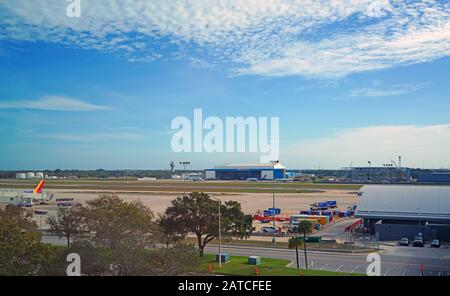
point(254, 260)
point(332, 204)
point(268, 213)
point(277, 211)
point(319, 206)
point(225, 257)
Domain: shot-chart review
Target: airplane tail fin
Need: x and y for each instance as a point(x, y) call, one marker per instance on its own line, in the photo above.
point(39, 187)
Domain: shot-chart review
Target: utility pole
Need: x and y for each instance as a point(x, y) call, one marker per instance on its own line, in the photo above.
point(274, 162)
point(220, 236)
point(370, 171)
point(184, 164)
point(220, 230)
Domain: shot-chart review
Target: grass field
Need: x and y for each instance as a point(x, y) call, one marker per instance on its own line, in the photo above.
point(268, 267)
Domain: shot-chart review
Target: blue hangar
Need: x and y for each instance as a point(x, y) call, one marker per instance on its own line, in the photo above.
point(260, 171)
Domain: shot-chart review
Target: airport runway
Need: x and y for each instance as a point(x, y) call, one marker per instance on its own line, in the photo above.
point(391, 265)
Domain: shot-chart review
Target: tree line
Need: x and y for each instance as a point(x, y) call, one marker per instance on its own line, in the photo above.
point(115, 237)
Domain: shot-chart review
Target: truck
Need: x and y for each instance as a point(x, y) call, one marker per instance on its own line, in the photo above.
point(319, 206)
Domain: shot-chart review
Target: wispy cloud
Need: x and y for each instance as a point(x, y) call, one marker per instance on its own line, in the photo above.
point(381, 90)
point(51, 103)
point(93, 137)
point(422, 146)
point(199, 63)
point(324, 39)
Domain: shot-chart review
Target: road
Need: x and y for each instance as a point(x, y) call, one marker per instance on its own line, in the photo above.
point(336, 231)
point(391, 265)
point(395, 261)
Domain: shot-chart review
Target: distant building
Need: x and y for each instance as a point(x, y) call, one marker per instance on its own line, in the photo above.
point(393, 212)
point(383, 174)
point(39, 175)
point(434, 177)
point(260, 171)
point(15, 198)
point(30, 175)
point(21, 176)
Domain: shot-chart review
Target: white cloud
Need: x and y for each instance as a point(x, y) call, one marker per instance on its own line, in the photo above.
point(51, 103)
point(421, 146)
point(328, 38)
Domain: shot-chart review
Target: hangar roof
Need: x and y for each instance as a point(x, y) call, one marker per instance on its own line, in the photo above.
point(248, 166)
point(404, 202)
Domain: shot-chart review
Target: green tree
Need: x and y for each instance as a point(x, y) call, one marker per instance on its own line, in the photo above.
point(295, 243)
point(67, 223)
point(21, 251)
point(176, 260)
point(121, 230)
point(169, 232)
point(305, 227)
point(197, 213)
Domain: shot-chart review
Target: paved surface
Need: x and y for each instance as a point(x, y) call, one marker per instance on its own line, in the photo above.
point(391, 265)
point(395, 261)
point(337, 230)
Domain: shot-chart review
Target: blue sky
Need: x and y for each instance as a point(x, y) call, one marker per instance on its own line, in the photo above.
point(351, 81)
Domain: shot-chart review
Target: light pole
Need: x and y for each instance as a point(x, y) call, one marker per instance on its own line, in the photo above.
point(273, 162)
point(220, 236)
point(184, 164)
point(370, 171)
point(220, 231)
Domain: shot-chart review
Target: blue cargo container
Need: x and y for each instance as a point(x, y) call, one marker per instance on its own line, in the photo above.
point(268, 213)
point(225, 258)
point(331, 204)
point(277, 211)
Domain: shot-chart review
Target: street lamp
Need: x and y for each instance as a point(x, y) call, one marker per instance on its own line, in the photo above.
point(273, 162)
point(370, 171)
point(184, 164)
point(220, 231)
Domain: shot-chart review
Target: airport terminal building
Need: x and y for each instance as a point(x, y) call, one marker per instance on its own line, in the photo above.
point(394, 212)
point(245, 171)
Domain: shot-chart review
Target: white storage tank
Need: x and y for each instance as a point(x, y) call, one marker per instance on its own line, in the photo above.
point(20, 176)
point(30, 175)
point(40, 175)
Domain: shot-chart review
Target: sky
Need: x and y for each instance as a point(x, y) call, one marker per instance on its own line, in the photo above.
point(349, 80)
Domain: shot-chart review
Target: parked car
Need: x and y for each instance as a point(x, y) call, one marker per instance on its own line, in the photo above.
point(293, 229)
point(268, 230)
point(418, 242)
point(435, 243)
point(265, 221)
point(252, 180)
point(404, 242)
